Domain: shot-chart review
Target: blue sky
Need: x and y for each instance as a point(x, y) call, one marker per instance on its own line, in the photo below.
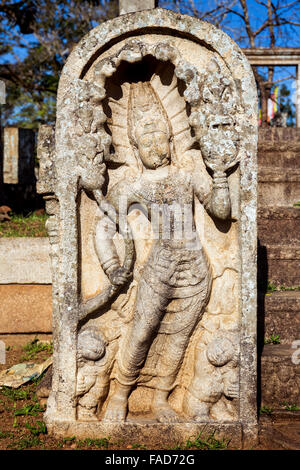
point(232, 25)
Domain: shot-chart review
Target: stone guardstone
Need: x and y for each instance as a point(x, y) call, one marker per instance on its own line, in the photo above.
point(150, 183)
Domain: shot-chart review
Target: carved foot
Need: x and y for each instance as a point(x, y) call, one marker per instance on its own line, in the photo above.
point(165, 414)
point(116, 408)
point(195, 409)
point(85, 414)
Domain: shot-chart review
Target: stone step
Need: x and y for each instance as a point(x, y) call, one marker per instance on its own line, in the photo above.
point(280, 374)
point(280, 145)
point(278, 186)
point(279, 225)
point(279, 265)
point(279, 435)
point(279, 314)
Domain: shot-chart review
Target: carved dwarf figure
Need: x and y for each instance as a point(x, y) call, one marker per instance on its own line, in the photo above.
point(93, 373)
point(177, 269)
point(215, 375)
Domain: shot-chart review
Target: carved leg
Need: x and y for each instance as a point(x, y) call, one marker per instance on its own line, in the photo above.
point(175, 346)
point(150, 308)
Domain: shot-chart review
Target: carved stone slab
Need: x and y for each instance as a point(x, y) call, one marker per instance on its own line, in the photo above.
point(151, 188)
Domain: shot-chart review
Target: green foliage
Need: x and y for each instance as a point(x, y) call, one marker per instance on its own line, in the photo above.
point(290, 407)
point(34, 347)
point(204, 442)
point(297, 204)
point(40, 428)
point(98, 443)
point(289, 289)
point(274, 339)
point(271, 287)
point(31, 65)
point(69, 439)
point(266, 410)
point(29, 410)
point(5, 434)
point(24, 443)
point(20, 226)
point(15, 394)
point(138, 447)
point(285, 104)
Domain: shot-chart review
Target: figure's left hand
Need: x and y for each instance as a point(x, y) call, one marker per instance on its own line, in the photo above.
point(92, 175)
point(119, 276)
point(232, 390)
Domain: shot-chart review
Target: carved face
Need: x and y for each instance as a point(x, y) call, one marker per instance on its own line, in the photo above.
point(91, 345)
point(154, 149)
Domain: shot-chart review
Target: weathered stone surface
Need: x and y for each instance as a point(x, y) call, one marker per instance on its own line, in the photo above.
point(280, 375)
point(25, 261)
point(279, 147)
point(150, 434)
point(279, 314)
point(25, 308)
point(148, 316)
point(282, 264)
point(279, 225)
point(278, 187)
point(278, 162)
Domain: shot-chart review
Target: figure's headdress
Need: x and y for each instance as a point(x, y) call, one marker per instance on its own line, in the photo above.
point(145, 112)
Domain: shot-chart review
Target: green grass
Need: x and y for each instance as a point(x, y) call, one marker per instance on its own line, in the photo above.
point(271, 287)
point(5, 434)
point(20, 226)
point(34, 347)
point(29, 410)
point(297, 204)
point(98, 443)
point(25, 443)
point(15, 394)
point(37, 430)
point(293, 288)
point(290, 407)
point(204, 442)
point(274, 339)
point(265, 410)
point(277, 288)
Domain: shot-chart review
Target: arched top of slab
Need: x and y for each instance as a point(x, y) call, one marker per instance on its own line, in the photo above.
point(159, 21)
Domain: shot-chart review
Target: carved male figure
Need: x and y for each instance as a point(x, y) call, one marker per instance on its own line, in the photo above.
point(177, 269)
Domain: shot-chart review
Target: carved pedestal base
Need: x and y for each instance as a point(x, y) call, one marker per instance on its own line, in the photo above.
point(154, 435)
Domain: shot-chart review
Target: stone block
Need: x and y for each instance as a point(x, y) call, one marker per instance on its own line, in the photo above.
point(25, 261)
point(280, 375)
point(278, 187)
point(282, 264)
point(25, 309)
point(279, 225)
point(279, 314)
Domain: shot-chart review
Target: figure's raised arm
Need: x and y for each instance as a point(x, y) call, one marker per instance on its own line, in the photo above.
point(114, 218)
